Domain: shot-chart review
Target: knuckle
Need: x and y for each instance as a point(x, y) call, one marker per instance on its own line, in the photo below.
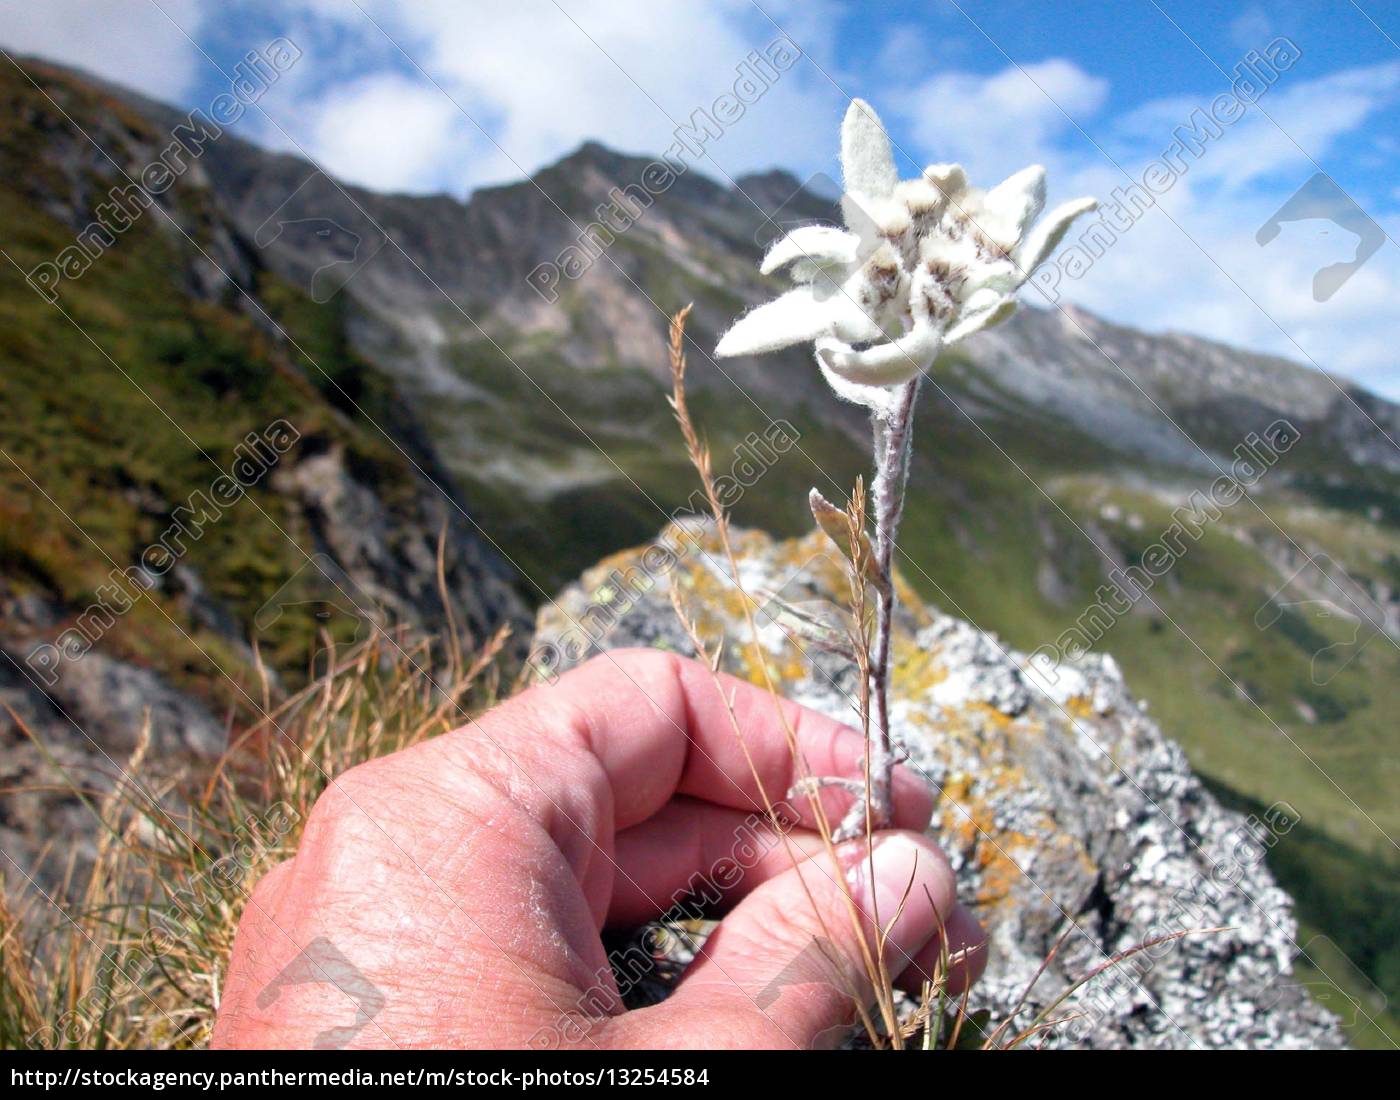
point(345, 808)
point(268, 889)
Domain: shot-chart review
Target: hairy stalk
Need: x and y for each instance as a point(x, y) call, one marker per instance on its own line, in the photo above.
point(893, 445)
point(926, 263)
point(872, 953)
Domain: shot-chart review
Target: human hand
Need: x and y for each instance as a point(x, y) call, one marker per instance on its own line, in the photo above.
point(452, 895)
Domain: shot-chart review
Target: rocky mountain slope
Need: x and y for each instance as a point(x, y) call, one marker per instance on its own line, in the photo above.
point(1062, 807)
point(429, 379)
point(180, 500)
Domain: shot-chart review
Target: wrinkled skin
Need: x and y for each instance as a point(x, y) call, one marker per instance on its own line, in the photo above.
point(452, 895)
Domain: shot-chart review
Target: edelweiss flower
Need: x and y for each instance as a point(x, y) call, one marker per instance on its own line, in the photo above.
point(922, 264)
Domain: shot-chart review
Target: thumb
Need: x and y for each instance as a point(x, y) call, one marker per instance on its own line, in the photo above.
point(789, 966)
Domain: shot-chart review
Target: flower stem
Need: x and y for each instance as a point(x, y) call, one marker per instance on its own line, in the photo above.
point(894, 439)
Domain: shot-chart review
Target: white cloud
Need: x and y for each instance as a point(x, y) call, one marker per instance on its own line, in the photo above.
point(386, 132)
point(1290, 126)
point(904, 48)
point(997, 124)
point(540, 80)
point(127, 41)
point(1251, 28)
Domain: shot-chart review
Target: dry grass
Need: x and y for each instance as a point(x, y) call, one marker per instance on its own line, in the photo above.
point(888, 1030)
point(135, 957)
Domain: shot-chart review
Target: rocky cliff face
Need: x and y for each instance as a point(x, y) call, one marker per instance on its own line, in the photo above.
point(1063, 808)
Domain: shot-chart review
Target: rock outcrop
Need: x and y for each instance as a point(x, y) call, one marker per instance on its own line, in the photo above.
point(1062, 807)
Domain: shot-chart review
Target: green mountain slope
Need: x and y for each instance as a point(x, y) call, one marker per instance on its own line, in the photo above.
point(158, 555)
point(1053, 454)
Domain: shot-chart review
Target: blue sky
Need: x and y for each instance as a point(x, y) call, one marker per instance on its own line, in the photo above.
point(449, 95)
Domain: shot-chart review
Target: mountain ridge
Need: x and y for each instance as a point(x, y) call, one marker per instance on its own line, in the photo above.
point(408, 326)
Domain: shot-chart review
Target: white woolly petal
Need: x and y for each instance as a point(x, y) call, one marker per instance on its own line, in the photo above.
point(793, 318)
point(805, 271)
point(955, 252)
point(950, 179)
point(891, 217)
point(820, 245)
point(1014, 204)
point(975, 320)
point(1044, 238)
point(979, 301)
point(867, 165)
point(855, 212)
point(871, 217)
point(917, 195)
point(882, 400)
point(929, 296)
point(884, 364)
point(850, 321)
point(852, 316)
point(1000, 276)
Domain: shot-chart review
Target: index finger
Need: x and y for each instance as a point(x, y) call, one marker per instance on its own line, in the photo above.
point(656, 724)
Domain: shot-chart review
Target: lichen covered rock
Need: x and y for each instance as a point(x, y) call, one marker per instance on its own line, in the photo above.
point(1064, 810)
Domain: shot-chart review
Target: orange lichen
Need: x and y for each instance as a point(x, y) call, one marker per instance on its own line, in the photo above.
point(1080, 707)
point(989, 713)
point(1001, 866)
point(916, 670)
